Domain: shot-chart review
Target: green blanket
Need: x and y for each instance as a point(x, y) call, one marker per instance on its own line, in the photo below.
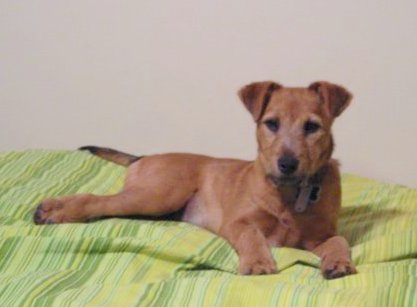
point(121, 262)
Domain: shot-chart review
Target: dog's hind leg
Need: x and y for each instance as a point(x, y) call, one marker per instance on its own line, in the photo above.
point(155, 186)
point(83, 207)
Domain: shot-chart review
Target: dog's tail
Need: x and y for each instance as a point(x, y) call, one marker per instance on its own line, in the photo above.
point(112, 155)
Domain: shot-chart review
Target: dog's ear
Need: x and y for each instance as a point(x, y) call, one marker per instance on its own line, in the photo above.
point(335, 97)
point(256, 96)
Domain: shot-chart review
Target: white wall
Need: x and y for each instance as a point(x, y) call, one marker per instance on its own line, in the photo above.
point(156, 76)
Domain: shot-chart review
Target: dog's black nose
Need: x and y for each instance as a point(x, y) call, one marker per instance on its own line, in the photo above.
point(287, 165)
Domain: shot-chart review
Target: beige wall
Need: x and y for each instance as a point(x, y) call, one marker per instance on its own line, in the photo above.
point(156, 76)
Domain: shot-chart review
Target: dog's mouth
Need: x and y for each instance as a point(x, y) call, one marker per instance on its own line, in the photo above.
point(285, 181)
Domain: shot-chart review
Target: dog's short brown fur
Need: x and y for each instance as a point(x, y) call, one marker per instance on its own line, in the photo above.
point(249, 203)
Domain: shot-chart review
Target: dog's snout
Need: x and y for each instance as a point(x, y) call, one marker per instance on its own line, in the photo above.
point(287, 165)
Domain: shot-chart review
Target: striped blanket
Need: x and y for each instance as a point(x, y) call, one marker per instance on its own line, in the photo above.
point(121, 262)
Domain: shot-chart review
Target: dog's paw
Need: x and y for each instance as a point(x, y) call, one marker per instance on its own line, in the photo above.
point(257, 266)
point(55, 211)
point(333, 268)
point(46, 211)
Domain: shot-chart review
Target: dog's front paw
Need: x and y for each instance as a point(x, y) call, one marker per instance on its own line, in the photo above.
point(335, 268)
point(257, 265)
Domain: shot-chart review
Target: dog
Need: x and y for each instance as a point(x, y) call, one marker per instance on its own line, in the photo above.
point(289, 196)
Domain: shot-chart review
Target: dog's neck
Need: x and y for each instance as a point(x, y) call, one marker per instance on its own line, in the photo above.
point(300, 195)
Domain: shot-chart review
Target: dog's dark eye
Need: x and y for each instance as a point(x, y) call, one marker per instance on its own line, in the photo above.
point(272, 124)
point(311, 127)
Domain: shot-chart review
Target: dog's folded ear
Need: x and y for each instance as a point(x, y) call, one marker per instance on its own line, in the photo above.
point(256, 96)
point(335, 97)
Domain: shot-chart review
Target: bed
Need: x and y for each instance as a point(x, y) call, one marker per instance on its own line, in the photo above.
point(127, 262)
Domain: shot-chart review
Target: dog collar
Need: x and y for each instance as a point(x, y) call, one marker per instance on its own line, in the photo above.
point(309, 191)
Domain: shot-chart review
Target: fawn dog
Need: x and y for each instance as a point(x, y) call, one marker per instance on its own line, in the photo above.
point(289, 196)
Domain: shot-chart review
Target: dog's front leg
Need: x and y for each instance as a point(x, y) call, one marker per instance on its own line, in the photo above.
point(254, 253)
point(335, 257)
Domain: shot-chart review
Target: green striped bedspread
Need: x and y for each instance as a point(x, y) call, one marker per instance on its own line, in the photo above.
point(121, 262)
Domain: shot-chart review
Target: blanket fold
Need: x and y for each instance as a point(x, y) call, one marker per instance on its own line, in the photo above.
point(123, 262)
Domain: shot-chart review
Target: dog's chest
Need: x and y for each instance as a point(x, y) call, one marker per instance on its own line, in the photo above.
point(284, 232)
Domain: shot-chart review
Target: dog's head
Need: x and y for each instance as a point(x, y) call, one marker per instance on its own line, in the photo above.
point(294, 126)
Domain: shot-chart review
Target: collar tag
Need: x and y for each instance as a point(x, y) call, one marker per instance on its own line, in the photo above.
point(309, 191)
point(315, 193)
point(303, 198)
point(308, 194)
